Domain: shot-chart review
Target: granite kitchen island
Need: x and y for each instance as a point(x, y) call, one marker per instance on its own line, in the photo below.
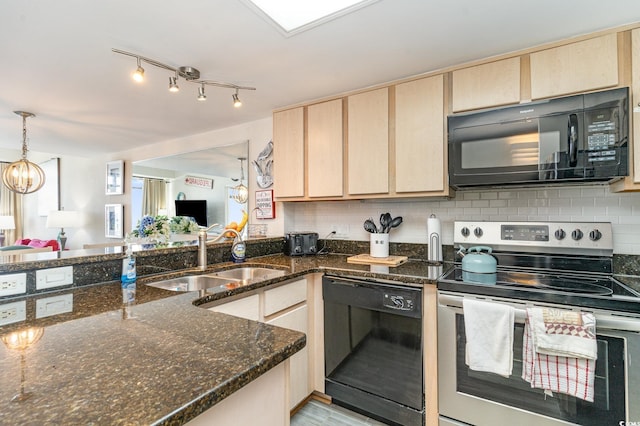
point(160, 361)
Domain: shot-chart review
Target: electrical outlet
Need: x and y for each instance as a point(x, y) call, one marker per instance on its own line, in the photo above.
point(341, 232)
point(13, 284)
point(13, 312)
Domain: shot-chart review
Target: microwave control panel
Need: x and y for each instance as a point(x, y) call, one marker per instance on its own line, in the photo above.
point(602, 134)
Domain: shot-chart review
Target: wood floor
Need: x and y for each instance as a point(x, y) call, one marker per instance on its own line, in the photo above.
point(316, 413)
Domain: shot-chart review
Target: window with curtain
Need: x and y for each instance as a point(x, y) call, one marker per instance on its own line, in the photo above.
point(154, 196)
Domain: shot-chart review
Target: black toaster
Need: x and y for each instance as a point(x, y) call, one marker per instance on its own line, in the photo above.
point(300, 243)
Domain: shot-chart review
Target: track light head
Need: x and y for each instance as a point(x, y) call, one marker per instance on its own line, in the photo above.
point(138, 74)
point(201, 95)
point(173, 84)
point(236, 100)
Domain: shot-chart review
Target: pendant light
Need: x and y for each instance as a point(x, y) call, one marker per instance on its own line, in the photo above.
point(240, 192)
point(23, 176)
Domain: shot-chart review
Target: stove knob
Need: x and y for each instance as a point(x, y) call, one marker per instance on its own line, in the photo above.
point(577, 234)
point(595, 235)
point(560, 234)
point(477, 232)
point(465, 232)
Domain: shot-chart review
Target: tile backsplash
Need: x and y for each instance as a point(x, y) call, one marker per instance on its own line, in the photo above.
point(571, 203)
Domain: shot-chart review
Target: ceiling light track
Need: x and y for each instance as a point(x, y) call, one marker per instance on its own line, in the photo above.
point(190, 74)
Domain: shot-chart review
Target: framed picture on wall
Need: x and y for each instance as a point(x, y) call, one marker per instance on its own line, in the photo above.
point(114, 177)
point(113, 220)
point(266, 207)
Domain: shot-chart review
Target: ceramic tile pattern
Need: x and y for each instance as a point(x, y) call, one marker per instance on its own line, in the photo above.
point(577, 203)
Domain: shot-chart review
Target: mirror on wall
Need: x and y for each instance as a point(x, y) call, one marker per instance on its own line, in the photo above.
point(198, 180)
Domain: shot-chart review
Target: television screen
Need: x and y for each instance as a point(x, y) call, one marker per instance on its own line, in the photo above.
point(196, 209)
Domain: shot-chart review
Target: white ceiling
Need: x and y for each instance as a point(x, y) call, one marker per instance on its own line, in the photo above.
point(57, 60)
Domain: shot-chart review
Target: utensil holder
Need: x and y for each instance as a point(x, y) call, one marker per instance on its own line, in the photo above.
point(379, 246)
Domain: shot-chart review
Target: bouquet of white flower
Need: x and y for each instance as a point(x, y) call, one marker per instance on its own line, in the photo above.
point(152, 229)
point(183, 225)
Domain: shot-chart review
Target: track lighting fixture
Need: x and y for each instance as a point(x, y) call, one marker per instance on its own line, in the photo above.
point(138, 74)
point(201, 95)
point(23, 176)
point(173, 83)
point(189, 74)
point(236, 100)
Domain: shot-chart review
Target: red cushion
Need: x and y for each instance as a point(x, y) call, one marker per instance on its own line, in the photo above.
point(38, 243)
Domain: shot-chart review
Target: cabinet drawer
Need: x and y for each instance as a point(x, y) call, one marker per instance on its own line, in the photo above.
point(285, 296)
point(247, 307)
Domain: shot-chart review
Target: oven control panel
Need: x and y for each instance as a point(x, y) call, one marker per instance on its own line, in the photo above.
point(566, 237)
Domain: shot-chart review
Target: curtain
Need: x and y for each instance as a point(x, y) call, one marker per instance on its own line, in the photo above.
point(154, 196)
point(11, 205)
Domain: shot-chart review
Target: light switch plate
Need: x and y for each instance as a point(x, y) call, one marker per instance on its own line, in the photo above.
point(13, 284)
point(56, 305)
point(54, 277)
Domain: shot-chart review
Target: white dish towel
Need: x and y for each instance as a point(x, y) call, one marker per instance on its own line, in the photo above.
point(489, 330)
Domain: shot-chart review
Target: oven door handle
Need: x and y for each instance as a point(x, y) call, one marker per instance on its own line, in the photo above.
point(604, 321)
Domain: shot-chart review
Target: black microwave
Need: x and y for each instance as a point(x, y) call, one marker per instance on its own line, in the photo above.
point(562, 140)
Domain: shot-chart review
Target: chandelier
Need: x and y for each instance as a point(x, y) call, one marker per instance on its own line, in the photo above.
point(23, 176)
point(240, 193)
point(188, 73)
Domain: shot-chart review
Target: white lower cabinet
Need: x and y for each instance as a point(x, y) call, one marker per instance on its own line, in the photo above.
point(246, 307)
point(282, 306)
point(261, 402)
point(296, 319)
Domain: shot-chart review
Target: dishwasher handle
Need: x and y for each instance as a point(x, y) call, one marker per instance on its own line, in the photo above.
point(381, 297)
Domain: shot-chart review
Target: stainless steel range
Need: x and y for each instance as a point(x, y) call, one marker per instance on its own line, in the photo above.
point(554, 265)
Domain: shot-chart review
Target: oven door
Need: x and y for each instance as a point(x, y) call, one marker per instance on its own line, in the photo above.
point(488, 399)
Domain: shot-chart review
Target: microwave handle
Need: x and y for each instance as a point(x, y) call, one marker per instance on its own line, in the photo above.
point(572, 137)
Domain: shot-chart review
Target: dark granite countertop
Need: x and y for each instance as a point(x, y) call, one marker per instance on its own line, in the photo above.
point(161, 361)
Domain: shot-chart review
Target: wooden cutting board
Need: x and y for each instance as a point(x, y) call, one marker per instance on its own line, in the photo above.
point(369, 260)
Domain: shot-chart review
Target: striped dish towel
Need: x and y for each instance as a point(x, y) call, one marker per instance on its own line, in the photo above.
point(555, 373)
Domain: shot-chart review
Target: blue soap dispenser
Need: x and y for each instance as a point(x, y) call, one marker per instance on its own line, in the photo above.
point(128, 278)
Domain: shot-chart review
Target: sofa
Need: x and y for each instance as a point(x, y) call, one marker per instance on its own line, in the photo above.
point(31, 244)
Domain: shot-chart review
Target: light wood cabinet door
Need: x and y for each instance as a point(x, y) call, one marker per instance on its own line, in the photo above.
point(419, 136)
point(577, 67)
point(324, 147)
point(288, 153)
point(368, 142)
point(297, 320)
point(487, 85)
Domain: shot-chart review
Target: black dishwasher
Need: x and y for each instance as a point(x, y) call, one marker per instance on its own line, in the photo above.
point(373, 348)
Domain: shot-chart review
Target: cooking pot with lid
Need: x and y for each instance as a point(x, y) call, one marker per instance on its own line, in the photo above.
point(479, 266)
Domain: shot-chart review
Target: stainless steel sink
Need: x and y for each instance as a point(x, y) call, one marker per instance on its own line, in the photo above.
point(228, 279)
point(249, 273)
point(190, 283)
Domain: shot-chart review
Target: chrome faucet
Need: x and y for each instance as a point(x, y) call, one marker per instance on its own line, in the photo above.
point(203, 239)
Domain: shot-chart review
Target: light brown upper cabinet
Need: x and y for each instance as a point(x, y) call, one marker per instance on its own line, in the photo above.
point(324, 149)
point(368, 142)
point(487, 85)
point(419, 136)
point(288, 153)
point(577, 67)
point(632, 182)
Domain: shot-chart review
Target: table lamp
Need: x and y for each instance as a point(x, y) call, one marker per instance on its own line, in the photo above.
point(6, 222)
point(62, 219)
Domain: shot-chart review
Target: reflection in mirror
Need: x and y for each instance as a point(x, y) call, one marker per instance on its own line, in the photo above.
point(206, 175)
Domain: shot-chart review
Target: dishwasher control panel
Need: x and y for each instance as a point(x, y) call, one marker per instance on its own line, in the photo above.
point(398, 301)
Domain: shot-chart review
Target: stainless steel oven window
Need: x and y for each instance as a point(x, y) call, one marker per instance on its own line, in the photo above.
point(487, 399)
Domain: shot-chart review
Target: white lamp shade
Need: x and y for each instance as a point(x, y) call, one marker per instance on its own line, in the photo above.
point(63, 219)
point(7, 222)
